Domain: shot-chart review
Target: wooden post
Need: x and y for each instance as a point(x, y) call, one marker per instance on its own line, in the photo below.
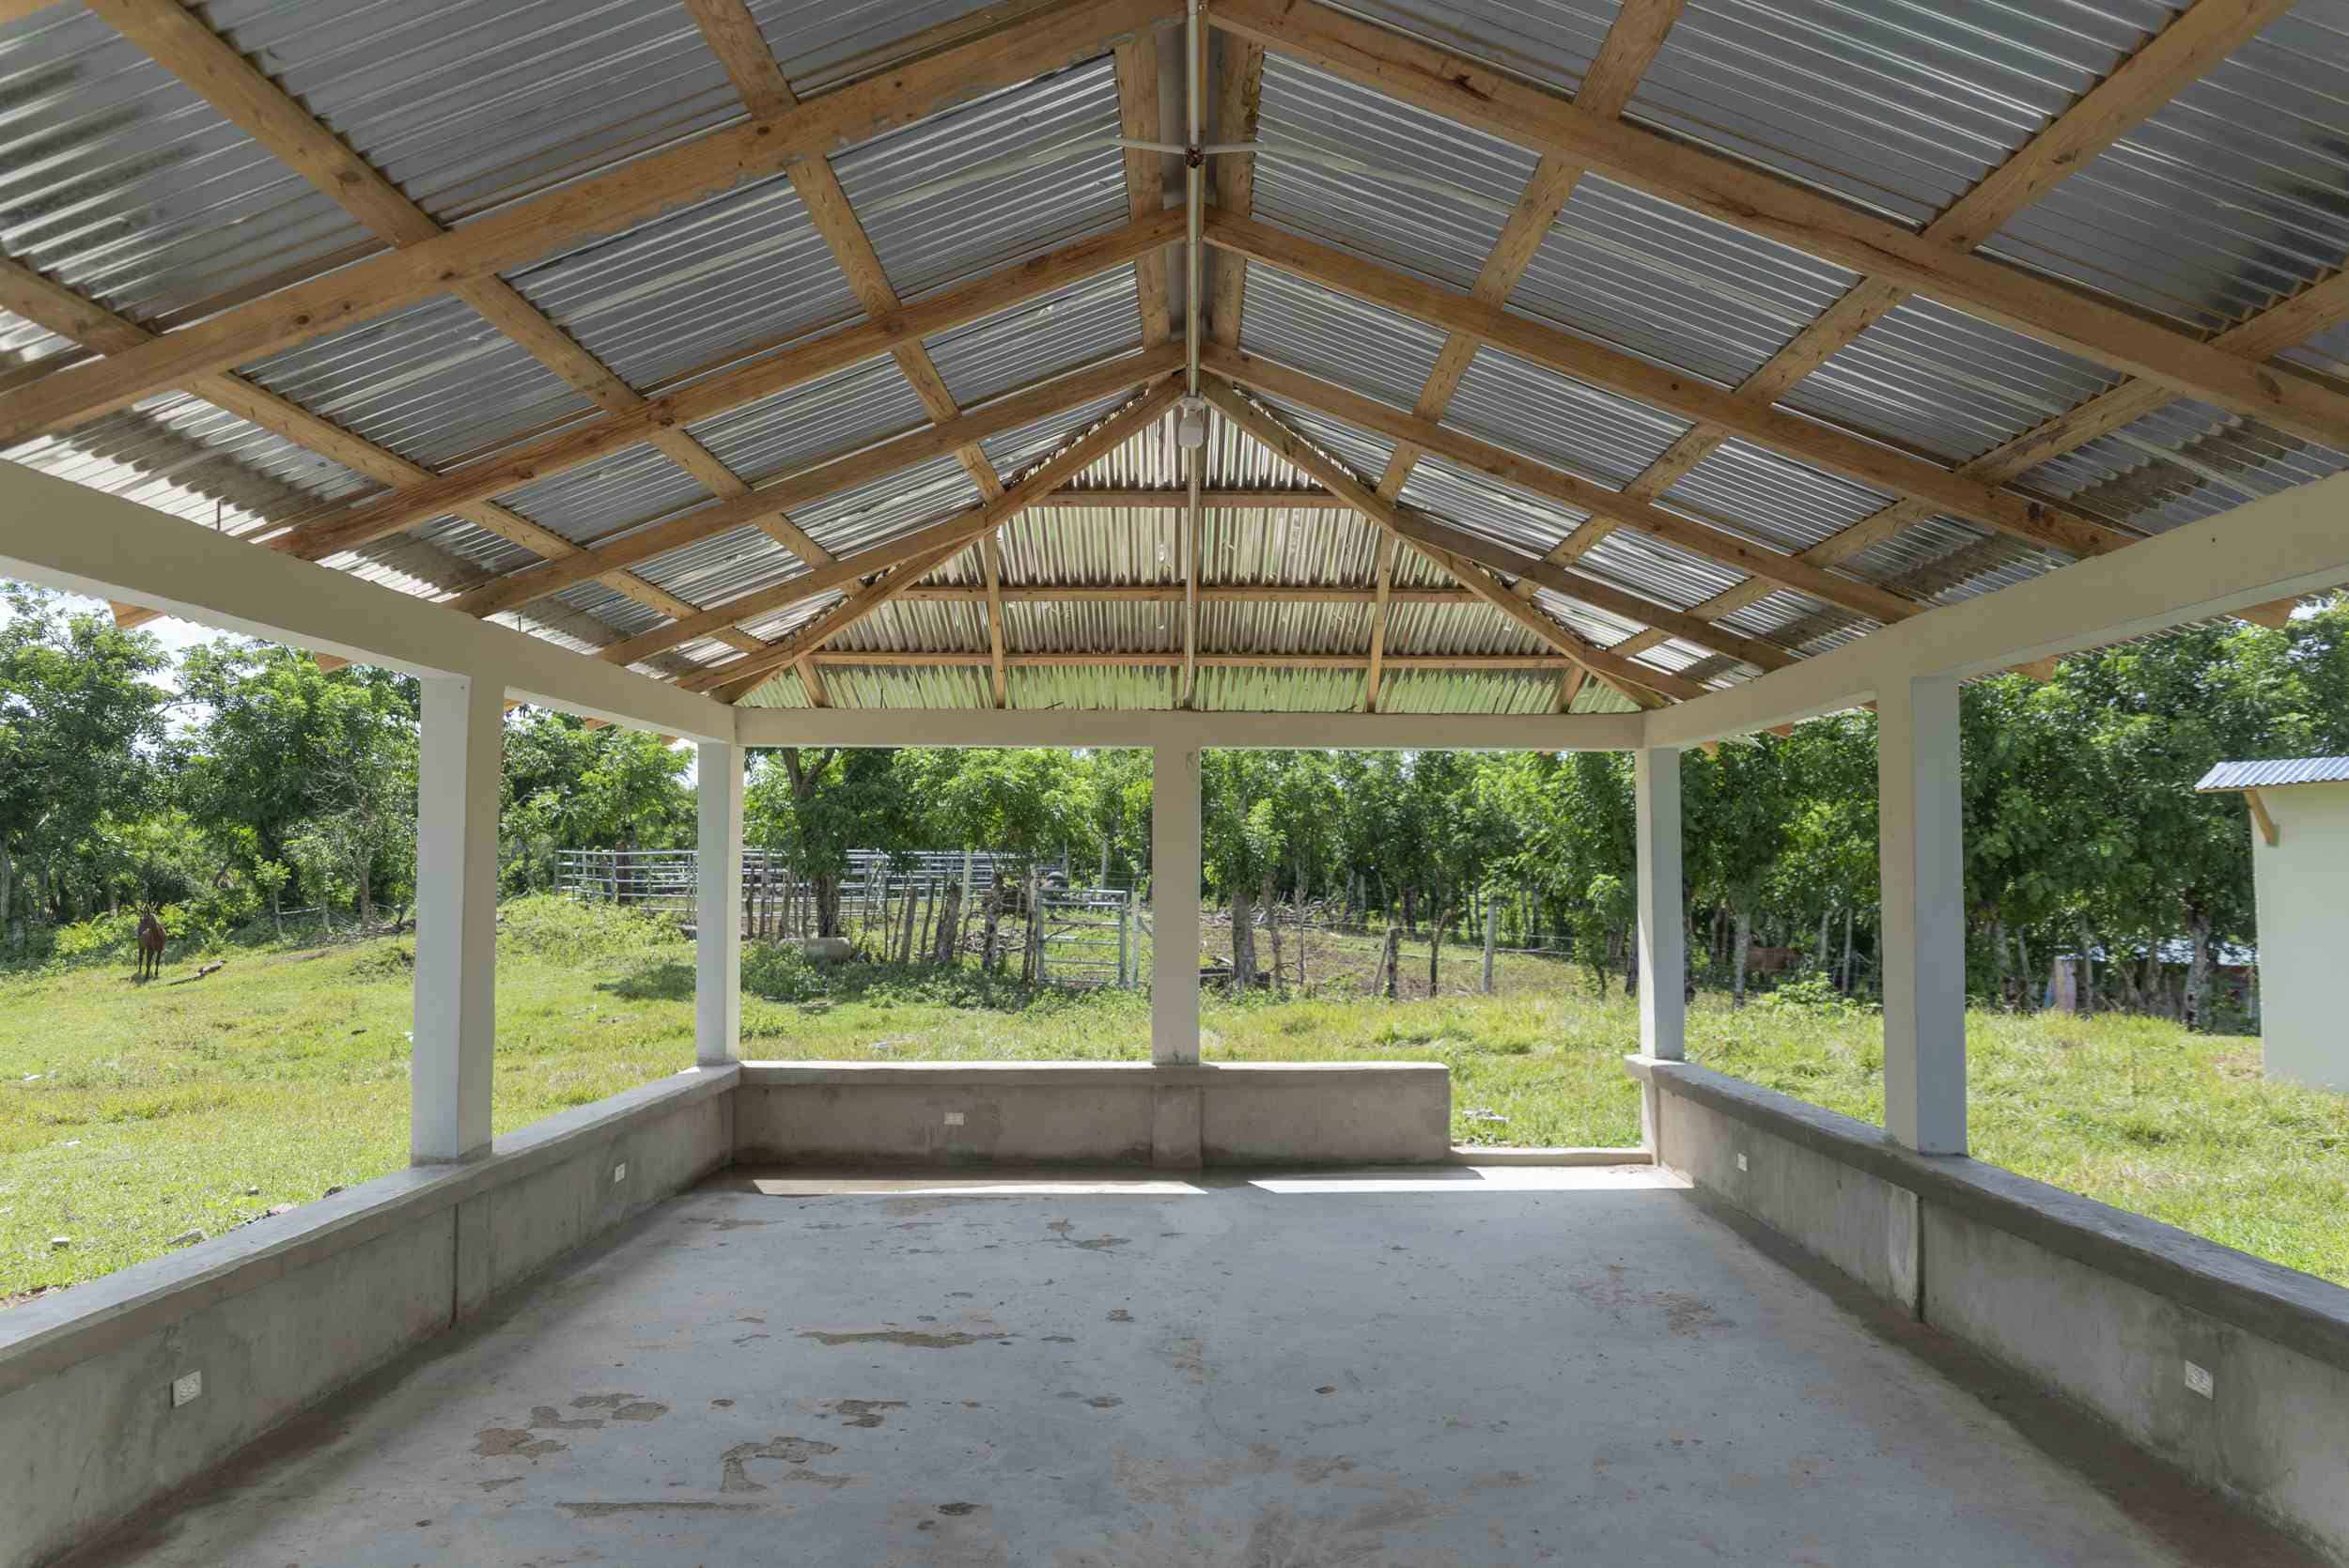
point(1492, 919)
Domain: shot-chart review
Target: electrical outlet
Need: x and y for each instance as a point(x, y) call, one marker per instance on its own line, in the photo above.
point(2200, 1380)
point(1741, 1159)
point(619, 1172)
point(953, 1118)
point(186, 1388)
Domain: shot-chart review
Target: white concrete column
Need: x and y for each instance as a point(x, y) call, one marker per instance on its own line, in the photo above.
point(1173, 906)
point(718, 907)
point(1663, 923)
point(463, 750)
point(1921, 863)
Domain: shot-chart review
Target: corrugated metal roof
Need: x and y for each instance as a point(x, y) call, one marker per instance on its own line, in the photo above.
point(1553, 42)
point(2224, 200)
point(467, 104)
point(2276, 774)
point(1786, 504)
point(2179, 464)
point(1061, 330)
point(1420, 192)
point(1902, 105)
point(434, 382)
point(930, 239)
point(633, 487)
point(1356, 345)
point(121, 183)
point(1514, 403)
point(676, 295)
point(1946, 384)
point(1631, 269)
point(878, 510)
point(836, 413)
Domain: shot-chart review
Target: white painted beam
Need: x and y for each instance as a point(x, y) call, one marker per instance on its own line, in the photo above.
point(1173, 905)
point(60, 534)
point(1921, 866)
point(1663, 923)
point(1579, 732)
point(2294, 543)
point(462, 753)
point(718, 907)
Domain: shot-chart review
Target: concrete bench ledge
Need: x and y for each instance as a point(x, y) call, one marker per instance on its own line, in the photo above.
point(2298, 1309)
point(1254, 1075)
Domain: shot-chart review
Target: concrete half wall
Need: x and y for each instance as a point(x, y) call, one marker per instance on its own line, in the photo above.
point(1093, 1114)
point(279, 1315)
point(2120, 1314)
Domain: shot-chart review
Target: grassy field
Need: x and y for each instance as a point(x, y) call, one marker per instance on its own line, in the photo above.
point(133, 1115)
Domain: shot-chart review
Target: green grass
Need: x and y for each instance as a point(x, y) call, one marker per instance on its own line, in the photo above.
point(155, 1109)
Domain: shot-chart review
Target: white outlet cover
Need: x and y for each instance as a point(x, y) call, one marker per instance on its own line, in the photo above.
point(619, 1172)
point(2200, 1380)
point(185, 1389)
point(1741, 1159)
point(953, 1118)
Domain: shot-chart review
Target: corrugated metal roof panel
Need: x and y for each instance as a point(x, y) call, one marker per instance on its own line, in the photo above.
point(121, 183)
point(1903, 105)
point(434, 382)
point(2280, 773)
point(1093, 547)
point(670, 297)
point(1514, 403)
point(1364, 454)
point(24, 343)
point(907, 686)
point(1946, 383)
point(782, 623)
point(1468, 629)
point(2225, 199)
point(182, 456)
point(930, 239)
point(1529, 524)
point(1467, 691)
point(634, 486)
point(1239, 689)
point(878, 510)
point(1551, 41)
point(2181, 463)
point(900, 626)
point(836, 413)
point(1786, 504)
point(1357, 345)
point(1656, 570)
point(726, 566)
point(1596, 626)
point(1634, 271)
point(2327, 353)
point(1429, 195)
point(819, 40)
point(1066, 329)
point(1080, 626)
point(1014, 451)
point(1291, 628)
point(1149, 687)
point(608, 606)
point(467, 104)
point(1251, 545)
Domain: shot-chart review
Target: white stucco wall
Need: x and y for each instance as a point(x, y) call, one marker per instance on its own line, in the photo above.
point(2303, 889)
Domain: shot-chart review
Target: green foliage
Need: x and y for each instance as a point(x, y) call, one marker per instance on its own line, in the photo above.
point(1811, 993)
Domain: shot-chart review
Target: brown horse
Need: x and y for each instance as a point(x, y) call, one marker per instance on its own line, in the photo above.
point(151, 940)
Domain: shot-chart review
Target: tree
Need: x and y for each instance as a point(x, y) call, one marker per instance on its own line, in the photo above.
point(82, 738)
point(1240, 841)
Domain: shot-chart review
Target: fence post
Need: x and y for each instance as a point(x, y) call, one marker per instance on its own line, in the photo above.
point(1492, 918)
point(1125, 919)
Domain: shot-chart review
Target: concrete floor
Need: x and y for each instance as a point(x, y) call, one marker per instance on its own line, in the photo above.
point(1459, 1367)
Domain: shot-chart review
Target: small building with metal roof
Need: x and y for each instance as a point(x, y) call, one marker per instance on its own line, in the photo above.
point(2299, 810)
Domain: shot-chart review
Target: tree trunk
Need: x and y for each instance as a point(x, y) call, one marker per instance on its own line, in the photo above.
point(1272, 932)
point(1998, 963)
point(988, 937)
point(1243, 943)
point(1630, 961)
point(367, 895)
point(949, 934)
point(1390, 960)
point(1824, 915)
point(2197, 970)
point(1744, 946)
point(1300, 932)
point(7, 877)
point(1410, 917)
point(1436, 914)
point(1847, 926)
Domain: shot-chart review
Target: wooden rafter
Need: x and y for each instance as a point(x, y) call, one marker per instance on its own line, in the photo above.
point(1838, 451)
point(821, 477)
point(1145, 193)
point(1173, 593)
point(1777, 209)
point(1234, 180)
point(2173, 59)
point(717, 394)
point(1567, 489)
point(906, 561)
point(1635, 681)
point(992, 563)
point(540, 226)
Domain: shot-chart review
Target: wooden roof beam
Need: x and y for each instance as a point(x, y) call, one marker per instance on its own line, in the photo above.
point(540, 226)
point(1740, 194)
